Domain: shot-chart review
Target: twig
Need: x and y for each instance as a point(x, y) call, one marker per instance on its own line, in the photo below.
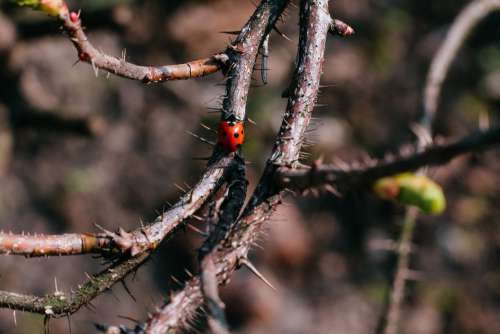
point(399, 283)
point(468, 18)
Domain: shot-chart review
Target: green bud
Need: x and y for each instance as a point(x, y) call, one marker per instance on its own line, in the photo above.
point(412, 189)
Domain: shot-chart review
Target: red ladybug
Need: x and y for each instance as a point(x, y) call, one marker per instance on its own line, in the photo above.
point(231, 135)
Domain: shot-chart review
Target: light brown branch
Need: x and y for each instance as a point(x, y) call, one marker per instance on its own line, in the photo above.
point(45, 245)
point(72, 25)
point(465, 22)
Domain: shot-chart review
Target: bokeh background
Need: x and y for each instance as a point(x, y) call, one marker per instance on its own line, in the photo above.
point(77, 150)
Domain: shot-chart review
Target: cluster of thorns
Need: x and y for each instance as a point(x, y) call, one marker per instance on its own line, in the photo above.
point(222, 189)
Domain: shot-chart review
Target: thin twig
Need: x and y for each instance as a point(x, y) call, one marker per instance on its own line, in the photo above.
point(402, 267)
point(466, 21)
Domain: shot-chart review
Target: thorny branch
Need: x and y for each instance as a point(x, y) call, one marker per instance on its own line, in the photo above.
point(355, 177)
point(72, 25)
point(61, 304)
point(141, 242)
point(228, 214)
point(314, 22)
point(227, 247)
point(143, 239)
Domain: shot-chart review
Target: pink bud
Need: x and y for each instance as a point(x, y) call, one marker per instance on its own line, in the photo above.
point(74, 17)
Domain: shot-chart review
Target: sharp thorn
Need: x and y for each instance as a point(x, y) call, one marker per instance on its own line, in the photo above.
point(254, 271)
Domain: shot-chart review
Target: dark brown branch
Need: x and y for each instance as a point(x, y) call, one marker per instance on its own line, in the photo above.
point(242, 54)
point(228, 214)
point(182, 306)
point(303, 178)
point(314, 25)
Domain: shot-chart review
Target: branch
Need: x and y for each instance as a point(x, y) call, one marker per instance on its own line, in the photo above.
point(319, 175)
point(144, 240)
point(242, 54)
point(45, 245)
point(462, 26)
point(315, 23)
point(61, 304)
point(228, 214)
point(121, 243)
point(182, 305)
point(402, 269)
point(466, 21)
point(72, 25)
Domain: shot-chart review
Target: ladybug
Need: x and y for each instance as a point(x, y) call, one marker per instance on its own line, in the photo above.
point(231, 135)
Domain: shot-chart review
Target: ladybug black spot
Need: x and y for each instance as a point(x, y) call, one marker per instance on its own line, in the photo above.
point(236, 135)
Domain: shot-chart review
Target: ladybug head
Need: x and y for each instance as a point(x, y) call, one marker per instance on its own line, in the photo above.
point(228, 117)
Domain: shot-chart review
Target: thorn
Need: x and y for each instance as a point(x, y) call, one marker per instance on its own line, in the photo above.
point(128, 318)
point(233, 32)
point(95, 68)
point(340, 28)
point(124, 55)
point(128, 291)
point(197, 230)
point(188, 272)
point(15, 318)
point(180, 188)
point(332, 190)
point(197, 217)
point(173, 278)
point(203, 140)
point(55, 284)
point(265, 57)
point(201, 158)
point(251, 267)
point(206, 127)
point(282, 34)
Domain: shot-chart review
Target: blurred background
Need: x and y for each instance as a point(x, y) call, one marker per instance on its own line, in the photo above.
point(77, 150)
